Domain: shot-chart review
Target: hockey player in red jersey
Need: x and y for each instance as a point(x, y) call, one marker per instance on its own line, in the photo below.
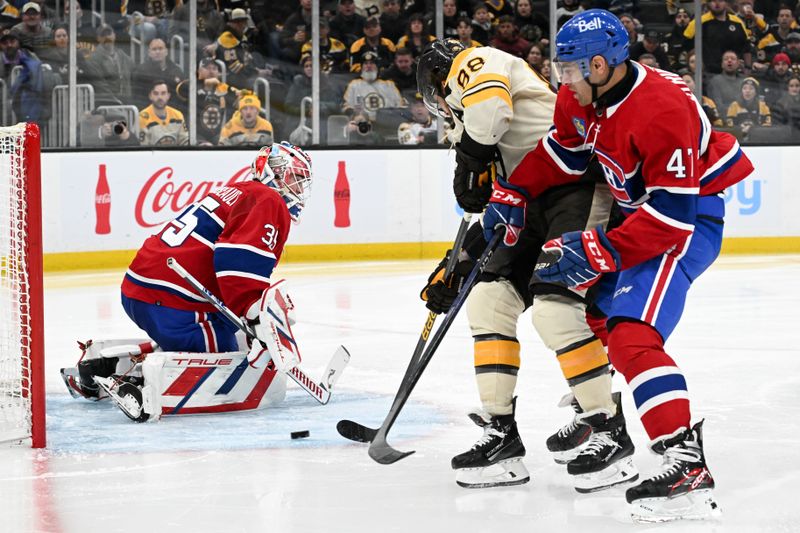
point(230, 241)
point(667, 169)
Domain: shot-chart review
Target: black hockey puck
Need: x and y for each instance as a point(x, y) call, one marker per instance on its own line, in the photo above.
point(300, 434)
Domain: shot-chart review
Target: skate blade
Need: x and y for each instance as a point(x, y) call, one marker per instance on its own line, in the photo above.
point(697, 505)
point(621, 472)
point(502, 474)
point(566, 456)
point(124, 396)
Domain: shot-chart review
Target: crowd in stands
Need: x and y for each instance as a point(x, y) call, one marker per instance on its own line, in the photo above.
point(368, 53)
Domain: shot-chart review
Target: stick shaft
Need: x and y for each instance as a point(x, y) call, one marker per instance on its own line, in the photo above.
point(379, 447)
point(321, 394)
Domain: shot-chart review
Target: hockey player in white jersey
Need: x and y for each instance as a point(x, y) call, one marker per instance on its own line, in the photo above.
point(501, 108)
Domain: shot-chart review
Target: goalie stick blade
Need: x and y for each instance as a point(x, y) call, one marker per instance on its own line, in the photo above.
point(384, 454)
point(355, 431)
point(336, 366)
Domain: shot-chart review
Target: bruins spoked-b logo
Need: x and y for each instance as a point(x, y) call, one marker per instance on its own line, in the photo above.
point(372, 102)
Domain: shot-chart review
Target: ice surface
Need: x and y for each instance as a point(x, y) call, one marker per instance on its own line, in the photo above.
point(242, 472)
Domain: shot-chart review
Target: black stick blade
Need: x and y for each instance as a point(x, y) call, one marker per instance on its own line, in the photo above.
point(385, 454)
point(355, 431)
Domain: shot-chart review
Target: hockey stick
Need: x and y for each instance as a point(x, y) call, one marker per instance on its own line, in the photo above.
point(379, 449)
point(320, 391)
point(359, 433)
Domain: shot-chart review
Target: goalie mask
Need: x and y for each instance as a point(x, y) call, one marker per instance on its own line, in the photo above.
point(285, 168)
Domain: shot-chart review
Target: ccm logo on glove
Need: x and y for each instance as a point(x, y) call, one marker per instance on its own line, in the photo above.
point(506, 198)
point(599, 257)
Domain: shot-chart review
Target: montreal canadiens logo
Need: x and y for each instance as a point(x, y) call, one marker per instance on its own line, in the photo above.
point(615, 177)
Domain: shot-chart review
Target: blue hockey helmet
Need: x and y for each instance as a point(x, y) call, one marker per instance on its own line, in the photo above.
point(595, 32)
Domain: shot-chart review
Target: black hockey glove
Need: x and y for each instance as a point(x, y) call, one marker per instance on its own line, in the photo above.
point(438, 295)
point(475, 172)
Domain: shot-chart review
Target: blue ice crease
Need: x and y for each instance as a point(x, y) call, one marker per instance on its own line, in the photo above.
point(80, 426)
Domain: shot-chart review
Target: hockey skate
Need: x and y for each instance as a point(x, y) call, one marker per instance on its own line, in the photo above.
point(496, 459)
point(683, 490)
point(606, 460)
point(566, 443)
point(126, 393)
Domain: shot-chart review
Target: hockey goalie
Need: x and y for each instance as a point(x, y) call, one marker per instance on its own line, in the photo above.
point(220, 336)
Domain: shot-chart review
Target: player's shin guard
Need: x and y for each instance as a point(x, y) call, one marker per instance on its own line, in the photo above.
point(683, 488)
point(658, 386)
point(496, 366)
point(586, 369)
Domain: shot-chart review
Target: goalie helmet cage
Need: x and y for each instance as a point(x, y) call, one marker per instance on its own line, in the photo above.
point(22, 410)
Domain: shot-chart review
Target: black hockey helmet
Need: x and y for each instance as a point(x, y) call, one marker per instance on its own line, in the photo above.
point(432, 69)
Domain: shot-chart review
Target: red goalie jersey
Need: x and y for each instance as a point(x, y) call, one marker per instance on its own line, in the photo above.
point(658, 153)
point(230, 241)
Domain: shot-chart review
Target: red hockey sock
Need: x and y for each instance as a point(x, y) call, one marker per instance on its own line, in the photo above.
point(597, 324)
point(658, 386)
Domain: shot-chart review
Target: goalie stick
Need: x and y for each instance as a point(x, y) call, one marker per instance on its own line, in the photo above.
point(320, 391)
point(359, 433)
point(379, 449)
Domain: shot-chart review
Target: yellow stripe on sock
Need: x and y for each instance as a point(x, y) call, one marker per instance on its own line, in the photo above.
point(584, 359)
point(497, 352)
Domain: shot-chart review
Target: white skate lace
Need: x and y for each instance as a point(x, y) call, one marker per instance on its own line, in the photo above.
point(569, 428)
point(597, 442)
point(488, 433)
point(673, 458)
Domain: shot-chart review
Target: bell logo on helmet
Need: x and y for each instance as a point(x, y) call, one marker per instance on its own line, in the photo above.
point(589, 25)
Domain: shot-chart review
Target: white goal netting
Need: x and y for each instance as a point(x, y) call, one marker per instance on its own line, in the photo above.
point(15, 339)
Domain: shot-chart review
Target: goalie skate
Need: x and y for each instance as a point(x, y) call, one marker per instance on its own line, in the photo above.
point(683, 490)
point(496, 459)
point(127, 396)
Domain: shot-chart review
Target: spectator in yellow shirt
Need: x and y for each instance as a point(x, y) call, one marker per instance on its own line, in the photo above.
point(247, 128)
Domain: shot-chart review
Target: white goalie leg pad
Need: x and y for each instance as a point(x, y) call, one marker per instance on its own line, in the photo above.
point(276, 316)
point(695, 505)
point(501, 474)
point(618, 473)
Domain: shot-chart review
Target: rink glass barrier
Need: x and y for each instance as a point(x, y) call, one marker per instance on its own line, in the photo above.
point(99, 206)
point(94, 100)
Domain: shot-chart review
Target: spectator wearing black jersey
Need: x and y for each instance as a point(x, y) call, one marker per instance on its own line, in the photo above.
point(393, 23)
point(347, 25)
point(651, 44)
point(373, 42)
point(721, 31)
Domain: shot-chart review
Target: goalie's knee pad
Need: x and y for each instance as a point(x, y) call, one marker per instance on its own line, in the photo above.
point(493, 308)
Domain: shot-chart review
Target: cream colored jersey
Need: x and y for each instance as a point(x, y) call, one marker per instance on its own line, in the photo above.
point(499, 99)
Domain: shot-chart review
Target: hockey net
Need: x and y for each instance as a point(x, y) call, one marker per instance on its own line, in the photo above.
point(21, 315)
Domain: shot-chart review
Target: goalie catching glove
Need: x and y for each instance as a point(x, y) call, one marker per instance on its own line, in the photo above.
point(439, 295)
point(272, 316)
point(583, 257)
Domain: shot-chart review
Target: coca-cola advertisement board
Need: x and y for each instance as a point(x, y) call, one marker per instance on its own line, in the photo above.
point(99, 201)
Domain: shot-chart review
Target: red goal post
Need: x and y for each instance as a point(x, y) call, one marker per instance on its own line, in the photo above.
point(22, 395)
